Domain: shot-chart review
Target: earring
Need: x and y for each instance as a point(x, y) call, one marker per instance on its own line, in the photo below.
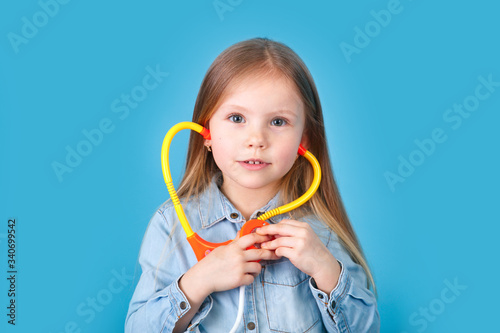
point(209, 148)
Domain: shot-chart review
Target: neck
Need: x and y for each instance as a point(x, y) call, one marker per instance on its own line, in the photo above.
point(247, 200)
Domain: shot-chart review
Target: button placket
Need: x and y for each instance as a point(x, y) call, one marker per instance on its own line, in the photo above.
point(250, 311)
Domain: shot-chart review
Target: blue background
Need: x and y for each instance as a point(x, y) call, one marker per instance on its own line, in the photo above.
point(76, 234)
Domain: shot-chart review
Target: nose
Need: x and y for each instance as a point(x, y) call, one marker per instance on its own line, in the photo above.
point(256, 138)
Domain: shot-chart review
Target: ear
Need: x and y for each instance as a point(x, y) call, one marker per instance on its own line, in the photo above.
point(206, 135)
point(305, 141)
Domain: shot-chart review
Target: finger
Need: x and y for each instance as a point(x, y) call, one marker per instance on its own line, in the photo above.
point(251, 239)
point(247, 279)
point(285, 252)
point(260, 254)
point(282, 229)
point(252, 267)
point(279, 242)
point(292, 222)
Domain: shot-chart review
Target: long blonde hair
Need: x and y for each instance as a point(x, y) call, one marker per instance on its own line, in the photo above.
point(263, 57)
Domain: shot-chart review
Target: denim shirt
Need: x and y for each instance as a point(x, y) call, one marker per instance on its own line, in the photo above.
point(281, 299)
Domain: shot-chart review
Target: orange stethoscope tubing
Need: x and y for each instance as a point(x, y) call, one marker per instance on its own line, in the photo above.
point(200, 246)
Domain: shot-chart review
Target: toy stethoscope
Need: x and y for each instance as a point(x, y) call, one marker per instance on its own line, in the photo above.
point(202, 247)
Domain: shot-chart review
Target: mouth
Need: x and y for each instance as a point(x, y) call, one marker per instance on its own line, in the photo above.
point(253, 161)
point(254, 164)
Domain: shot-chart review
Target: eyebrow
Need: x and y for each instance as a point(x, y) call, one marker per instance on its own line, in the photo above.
point(233, 106)
point(278, 111)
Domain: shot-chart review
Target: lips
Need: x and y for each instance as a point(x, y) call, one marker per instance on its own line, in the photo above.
point(254, 164)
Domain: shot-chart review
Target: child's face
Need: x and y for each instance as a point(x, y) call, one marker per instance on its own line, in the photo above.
point(255, 133)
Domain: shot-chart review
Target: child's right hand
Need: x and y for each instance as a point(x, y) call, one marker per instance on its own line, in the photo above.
point(230, 266)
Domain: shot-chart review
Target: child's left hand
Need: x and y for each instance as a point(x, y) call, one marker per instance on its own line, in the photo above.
point(299, 243)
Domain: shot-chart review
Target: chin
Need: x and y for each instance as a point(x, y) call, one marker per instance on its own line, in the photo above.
point(259, 185)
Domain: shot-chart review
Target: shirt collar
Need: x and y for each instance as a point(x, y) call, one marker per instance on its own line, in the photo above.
point(215, 207)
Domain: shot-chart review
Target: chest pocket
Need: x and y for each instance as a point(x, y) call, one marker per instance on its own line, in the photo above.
point(290, 306)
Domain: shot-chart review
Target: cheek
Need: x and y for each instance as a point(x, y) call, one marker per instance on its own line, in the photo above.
point(287, 156)
point(220, 151)
point(291, 158)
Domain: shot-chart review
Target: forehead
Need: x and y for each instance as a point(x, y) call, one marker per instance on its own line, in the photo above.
point(261, 91)
point(259, 78)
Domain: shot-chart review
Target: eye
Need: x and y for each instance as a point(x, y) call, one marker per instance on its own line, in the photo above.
point(279, 122)
point(236, 118)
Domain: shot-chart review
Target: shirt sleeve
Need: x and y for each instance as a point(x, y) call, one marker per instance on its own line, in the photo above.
point(350, 306)
point(158, 302)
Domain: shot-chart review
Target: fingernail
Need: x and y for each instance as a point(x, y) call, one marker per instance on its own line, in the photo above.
point(257, 229)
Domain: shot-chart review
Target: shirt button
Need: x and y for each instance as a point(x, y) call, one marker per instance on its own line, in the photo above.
point(234, 215)
point(320, 296)
point(251, 325)
point(259, 214)
point(333, 304)
point(183, 305)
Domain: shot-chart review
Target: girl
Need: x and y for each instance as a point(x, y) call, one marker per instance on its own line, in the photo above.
point(259, 102)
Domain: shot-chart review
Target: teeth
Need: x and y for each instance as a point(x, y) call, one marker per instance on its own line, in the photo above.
point(254, 162)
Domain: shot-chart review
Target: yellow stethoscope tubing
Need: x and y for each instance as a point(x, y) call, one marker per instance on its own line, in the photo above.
point(206, 134)
point(166, 171)
point(306, 196)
